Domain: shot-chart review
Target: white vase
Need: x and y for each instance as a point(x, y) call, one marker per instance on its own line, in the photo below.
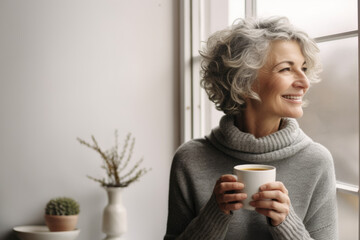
point(114, 223)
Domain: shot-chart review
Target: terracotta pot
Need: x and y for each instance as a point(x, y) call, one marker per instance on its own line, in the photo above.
point(61, 223)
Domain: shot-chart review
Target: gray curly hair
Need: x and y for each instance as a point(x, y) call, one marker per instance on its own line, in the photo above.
point(233, 56)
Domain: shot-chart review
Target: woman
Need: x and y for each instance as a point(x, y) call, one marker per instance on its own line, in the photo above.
point(257, 72)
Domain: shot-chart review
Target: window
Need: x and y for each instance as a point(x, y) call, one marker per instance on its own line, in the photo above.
point(332, 117)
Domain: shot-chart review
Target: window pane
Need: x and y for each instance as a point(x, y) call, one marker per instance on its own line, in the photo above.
point(348, 206)
point(236, 10)
point(218, 16)
point(317, 18)
point(332, 115)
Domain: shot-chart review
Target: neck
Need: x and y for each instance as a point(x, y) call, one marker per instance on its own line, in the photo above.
point(258, 126)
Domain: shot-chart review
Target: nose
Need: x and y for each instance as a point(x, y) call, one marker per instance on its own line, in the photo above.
point(301, 81)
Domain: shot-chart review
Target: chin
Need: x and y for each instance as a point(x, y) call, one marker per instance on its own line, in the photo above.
point(296, 115)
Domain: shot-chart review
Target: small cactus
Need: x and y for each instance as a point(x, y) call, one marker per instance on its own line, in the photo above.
point(62, 206)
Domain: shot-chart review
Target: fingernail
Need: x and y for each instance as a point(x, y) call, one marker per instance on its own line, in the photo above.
point(255, 196)
point(252, 203)
point(262, 188)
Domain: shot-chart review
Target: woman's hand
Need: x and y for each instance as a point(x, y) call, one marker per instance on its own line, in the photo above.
point(227, 193)
point(272, 201)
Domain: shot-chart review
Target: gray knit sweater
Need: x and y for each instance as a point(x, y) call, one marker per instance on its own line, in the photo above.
point(305, 168)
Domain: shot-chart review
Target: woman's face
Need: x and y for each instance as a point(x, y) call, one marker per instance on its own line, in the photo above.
point(281, 82)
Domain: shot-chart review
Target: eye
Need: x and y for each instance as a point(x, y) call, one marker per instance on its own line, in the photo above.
point(285, 69)
point(304, 69)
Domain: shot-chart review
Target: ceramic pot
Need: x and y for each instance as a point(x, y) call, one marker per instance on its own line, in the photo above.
point(114, 223)
point(57, 223)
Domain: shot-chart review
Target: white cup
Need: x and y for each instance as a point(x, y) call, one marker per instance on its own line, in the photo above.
point(253, 176)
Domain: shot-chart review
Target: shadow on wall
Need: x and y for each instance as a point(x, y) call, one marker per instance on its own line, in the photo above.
point(9, 236)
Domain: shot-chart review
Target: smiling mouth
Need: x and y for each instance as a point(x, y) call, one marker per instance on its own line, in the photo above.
point(293, 98)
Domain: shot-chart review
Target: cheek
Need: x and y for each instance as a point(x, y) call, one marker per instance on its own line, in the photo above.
point(269, 91)
point(270, 85)
point(274, 87)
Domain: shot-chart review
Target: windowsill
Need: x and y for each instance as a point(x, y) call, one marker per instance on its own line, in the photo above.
point(347, 188)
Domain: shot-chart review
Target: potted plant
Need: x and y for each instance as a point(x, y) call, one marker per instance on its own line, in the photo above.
point(61, 214)
point(118, 176)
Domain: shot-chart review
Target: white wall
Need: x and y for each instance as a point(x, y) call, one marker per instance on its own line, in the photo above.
point(73, 68)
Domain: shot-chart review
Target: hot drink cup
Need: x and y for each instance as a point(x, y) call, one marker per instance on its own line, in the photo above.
point(253, 176)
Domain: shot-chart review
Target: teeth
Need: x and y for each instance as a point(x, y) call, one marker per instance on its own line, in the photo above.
point(293, 97)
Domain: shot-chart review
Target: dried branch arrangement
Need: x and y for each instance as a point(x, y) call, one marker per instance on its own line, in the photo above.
point(116, 163)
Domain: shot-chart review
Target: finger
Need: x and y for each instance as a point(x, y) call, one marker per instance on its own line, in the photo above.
point(271, 205)
point(232, 198)
point(276, 218)
point(228, 178)
point(274, 186)
point(224, 187)
point(277, 195)
point(228, 187)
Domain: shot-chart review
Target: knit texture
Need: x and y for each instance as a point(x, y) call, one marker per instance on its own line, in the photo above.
point(305, 168)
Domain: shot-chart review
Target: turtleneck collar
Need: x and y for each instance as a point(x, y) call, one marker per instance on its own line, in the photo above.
point(282, 144)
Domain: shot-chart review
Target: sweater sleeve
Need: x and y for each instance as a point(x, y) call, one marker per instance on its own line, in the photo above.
point(292, 228)
point(210, 224)
point(183, 220)
point(320, 222)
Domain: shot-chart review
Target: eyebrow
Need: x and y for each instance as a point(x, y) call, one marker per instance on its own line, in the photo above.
point(289, 62)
